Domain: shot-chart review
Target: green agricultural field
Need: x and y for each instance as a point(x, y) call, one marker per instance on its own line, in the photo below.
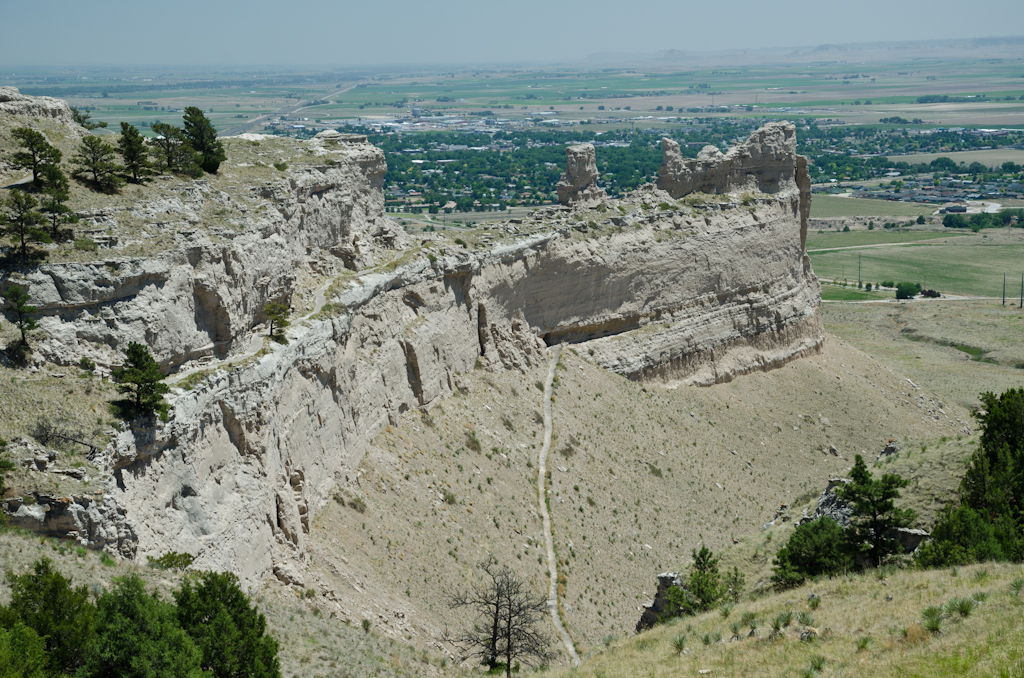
point(836, 293)
point(968, 267)
point(990, 158)
point(833, 206)
point(827, 240)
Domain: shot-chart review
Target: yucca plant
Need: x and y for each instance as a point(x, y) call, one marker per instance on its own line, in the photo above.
point(750, 619)
point(1017, 585)
point(813, 602)
point(679, 644)
point(863, 643)
point(932, 612)
point(933, 625)
point(817, 662)
point(736, 627)
point(961, 606)
point(805, 619)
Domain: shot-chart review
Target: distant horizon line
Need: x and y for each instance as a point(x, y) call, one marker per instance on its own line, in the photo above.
point(581, 62)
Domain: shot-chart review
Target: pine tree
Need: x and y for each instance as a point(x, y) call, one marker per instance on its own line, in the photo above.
point(875, 512)
point(17, 304)
point(96, 157)
point(81, 116)
point(203, 137)
point(133, 151)
point(56, 194)
point(277, 316)
point(38, 152)
point(174, 152)
point(21, 221)
point(228, 630)
point(140, 378)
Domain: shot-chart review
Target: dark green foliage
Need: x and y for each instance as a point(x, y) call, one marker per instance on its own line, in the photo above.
point(172, 560)
point(82, 116)
point(138, 636)
point(229, 632)
point(140, 378)
point(134, 152)
point(37, 153)
point(705, 581)
point(6, 465)
point(961, 536)
point(21, 222)
point(907, 290)
point(814, 549)
point(277, 318)
point(45, 601)
point(16, 299)
point(954, 221)
point(203, 137)
point(96, 159)
point(920, 219)
point(875, 512)
point(53, 204)
point(174, 152)
point(22, 653)
point(989, 523)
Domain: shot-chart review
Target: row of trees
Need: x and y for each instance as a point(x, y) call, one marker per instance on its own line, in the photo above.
point(26, 218)
point(51, 628)
point(976, 222)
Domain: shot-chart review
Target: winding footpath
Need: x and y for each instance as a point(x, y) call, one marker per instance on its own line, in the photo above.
point(549, 541)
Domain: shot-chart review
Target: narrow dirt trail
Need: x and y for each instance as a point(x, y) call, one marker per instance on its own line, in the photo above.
point(549, 541)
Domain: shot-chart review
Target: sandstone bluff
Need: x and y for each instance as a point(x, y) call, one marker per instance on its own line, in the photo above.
point(696, 280)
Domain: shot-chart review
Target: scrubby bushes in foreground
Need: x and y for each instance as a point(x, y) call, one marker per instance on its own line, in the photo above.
point(210, 629)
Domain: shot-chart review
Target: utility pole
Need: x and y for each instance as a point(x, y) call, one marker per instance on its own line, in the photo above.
point(1004, 289)
point(1022, 290)
point(858, 270)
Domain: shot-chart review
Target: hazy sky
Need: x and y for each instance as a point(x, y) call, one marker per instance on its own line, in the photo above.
point(346, 33)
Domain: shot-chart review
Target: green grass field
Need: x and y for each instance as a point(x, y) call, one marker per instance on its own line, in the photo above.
point(992, 158)
point(832, 206)
point(826, 240)
point(835, 293)
point(954, 269)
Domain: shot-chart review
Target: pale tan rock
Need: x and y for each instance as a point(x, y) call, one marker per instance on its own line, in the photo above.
point(579, 183)
point(15, 103)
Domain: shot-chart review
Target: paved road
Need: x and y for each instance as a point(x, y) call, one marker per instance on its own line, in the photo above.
point(545, 516)
point(283, 111)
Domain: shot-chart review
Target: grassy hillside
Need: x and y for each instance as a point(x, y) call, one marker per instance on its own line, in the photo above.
point(866, 625)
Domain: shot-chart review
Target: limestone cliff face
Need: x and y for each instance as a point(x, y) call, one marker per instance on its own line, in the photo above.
point(201, 298)
point(15, 103)
point(694, 294)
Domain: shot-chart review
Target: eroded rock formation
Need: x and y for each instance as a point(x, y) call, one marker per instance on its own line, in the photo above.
point(579, 183)
point(204, 295)
point(686, 295)
point(15, 103)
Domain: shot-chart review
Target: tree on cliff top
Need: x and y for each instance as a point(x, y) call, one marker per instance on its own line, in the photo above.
point(141, 379)
point(201, 134)
point(37, 153)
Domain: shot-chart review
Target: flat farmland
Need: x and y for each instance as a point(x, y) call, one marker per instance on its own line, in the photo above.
point(971, 266)
point(817, 241)
point(833, 206)
point(989, 158)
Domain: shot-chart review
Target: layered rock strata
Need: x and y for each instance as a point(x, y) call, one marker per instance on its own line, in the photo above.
point(201, 298)
point(693, 294)
point(13, 102)
point(579, 183)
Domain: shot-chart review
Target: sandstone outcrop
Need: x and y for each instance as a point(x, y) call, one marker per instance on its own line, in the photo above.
point(14, 103)
point(201, 298)
point(682, 295)
point(96, 521)
point(579, 183)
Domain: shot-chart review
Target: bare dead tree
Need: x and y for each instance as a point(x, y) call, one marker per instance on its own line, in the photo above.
point(507, 615)
point(58, 429)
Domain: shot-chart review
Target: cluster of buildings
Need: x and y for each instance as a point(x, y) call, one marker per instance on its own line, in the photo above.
point(946, 191)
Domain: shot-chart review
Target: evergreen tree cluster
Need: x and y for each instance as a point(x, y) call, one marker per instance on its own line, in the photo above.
point(823, 548)
point(987, 521)
point(51, 628)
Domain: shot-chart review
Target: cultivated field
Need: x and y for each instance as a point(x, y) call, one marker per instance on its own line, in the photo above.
point(991, 158)
point(973, 266)
point(823, 206)
point(860, 238)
